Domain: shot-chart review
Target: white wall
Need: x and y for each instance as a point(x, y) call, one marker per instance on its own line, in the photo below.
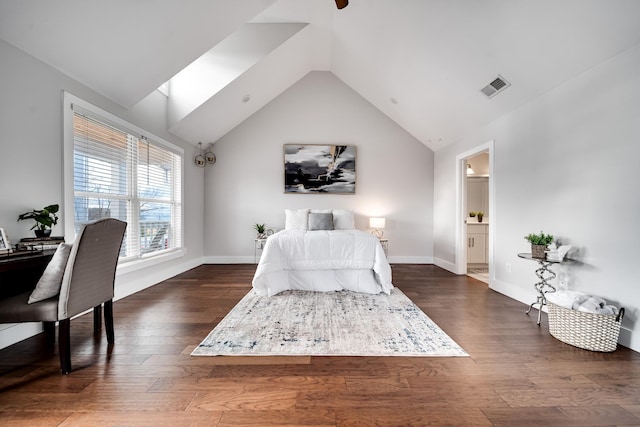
point(567, 164)
point(246, 185)
point(31, 157)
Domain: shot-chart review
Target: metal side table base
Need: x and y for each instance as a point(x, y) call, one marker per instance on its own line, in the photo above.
point(543, 287)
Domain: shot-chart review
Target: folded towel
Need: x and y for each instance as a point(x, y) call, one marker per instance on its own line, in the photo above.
point(579, 301)
point(593, 305)
point(575, 300)
point(608, 310)
point(565, 298)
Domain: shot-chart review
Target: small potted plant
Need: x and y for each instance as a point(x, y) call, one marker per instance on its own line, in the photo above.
point(261, 229)
point(539, 243)
point(480, 215)
point(472, 214)
point(45, 218)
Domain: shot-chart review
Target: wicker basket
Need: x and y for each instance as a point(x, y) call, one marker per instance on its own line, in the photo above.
point(590, 331)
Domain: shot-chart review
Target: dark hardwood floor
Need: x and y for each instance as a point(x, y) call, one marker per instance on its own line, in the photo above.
point(516, 375)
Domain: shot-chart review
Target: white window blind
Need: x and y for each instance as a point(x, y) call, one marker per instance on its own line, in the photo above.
point(124, 174)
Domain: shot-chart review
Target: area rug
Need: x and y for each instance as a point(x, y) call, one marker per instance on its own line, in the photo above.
point(327, 324)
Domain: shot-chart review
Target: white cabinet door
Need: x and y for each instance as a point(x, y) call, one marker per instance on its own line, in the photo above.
point(477, 244)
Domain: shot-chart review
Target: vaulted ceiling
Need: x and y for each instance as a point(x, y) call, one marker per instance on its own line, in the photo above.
point(421, 62)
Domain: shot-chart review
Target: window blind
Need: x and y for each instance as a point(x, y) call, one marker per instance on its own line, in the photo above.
point(122, 174)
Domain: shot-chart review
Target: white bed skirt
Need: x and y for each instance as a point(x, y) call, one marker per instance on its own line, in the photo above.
point(363, 281)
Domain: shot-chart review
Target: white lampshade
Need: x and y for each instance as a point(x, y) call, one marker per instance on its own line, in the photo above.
point(376, 222)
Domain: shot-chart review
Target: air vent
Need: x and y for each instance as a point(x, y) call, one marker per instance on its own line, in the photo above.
point(495, 87)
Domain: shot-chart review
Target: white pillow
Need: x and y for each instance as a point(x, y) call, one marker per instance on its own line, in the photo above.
point(296, 219)
point(343, 220)
point(49, 284)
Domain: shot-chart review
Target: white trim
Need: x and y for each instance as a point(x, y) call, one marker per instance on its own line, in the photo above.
point(16, 332)
point(250, 260)
point(461, 231)
point(410, 260)
point(126, 286)
point(228, 260)
point(140, 263)
point(449, 266)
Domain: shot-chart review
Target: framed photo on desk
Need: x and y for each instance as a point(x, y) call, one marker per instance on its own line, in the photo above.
point(5, 245)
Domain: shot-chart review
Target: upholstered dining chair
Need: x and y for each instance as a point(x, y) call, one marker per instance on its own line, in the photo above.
point(79, 277)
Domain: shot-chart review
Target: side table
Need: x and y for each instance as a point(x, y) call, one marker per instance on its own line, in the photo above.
point(385, 246)
point(257, 249)
point(543, 287)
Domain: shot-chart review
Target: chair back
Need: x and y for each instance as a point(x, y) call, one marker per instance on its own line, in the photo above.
point(90, 272)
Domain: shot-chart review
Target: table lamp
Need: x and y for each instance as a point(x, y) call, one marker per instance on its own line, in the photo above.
point(377, 224)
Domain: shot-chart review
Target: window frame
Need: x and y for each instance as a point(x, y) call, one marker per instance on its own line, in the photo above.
point(139, 260)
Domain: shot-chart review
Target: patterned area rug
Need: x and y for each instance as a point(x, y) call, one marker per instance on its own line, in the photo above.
point(327, 324)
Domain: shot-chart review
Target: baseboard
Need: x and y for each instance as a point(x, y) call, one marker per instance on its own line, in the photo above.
point(251, 260)
point(451, 267)
point(525, 296)
point(229, 260)
point(628, 339)
point(128, 284)
point(410, 260)
point(16, 332)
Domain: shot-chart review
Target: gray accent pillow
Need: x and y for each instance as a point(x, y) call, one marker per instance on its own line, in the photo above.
point(49, 284)
point(320, 221)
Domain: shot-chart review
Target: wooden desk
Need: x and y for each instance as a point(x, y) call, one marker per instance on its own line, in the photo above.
point(20, 271)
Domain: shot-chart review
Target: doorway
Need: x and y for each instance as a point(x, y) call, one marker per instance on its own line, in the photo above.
point(475, 194)
point(478, 217)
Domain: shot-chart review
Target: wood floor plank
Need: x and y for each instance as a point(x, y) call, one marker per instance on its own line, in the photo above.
point(278, 418)
point(33, 418)
point(143, 419)
point(418, 416)
point(516, 373)
point(248, 398)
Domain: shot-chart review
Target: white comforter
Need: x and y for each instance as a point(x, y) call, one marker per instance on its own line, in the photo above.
point(323, 261)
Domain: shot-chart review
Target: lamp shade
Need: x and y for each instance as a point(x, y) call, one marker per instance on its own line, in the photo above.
point(376, 222)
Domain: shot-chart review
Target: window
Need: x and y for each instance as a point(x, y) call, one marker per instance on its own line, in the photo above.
point(117, 170)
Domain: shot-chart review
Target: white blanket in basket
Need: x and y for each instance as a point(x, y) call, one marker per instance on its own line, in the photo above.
point(575, 300)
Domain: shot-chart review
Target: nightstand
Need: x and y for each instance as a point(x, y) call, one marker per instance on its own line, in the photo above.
point(385, 246)
point(257, 249)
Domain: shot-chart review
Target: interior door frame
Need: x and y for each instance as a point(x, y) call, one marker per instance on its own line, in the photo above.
point(461, 208)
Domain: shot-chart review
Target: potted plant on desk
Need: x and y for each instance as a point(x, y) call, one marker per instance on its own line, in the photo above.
point(45, 218)
point(539, 243)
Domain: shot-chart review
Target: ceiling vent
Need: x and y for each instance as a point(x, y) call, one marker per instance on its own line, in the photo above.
point(495, 87)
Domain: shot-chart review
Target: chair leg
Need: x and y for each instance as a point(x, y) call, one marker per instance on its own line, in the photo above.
point(64, 345)
point(50, 332)
point(97, 318)
point(108, 320)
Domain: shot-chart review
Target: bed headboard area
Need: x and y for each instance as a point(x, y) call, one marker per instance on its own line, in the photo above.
point(313, 219)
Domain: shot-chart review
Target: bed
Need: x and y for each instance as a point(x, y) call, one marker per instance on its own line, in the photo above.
point(322, 251)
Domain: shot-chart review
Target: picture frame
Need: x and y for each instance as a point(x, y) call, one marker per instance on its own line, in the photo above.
point(5, 244)
point(319, 169)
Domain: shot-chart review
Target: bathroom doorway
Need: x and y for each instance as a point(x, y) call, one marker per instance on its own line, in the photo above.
point(474, 238)
point(478, 216)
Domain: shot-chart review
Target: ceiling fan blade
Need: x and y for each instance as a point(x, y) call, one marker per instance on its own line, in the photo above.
point(342, 3)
